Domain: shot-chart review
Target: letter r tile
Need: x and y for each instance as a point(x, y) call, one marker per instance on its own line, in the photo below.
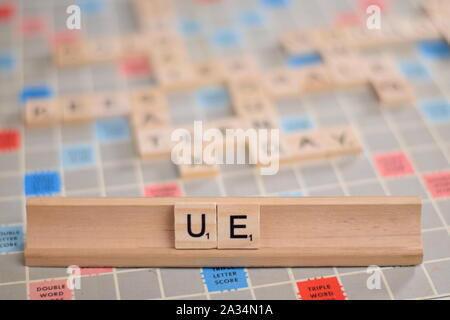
point(238, 226)
point(195, 226)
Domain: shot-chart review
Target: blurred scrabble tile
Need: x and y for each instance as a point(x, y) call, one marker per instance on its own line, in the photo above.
point(238, 66)
point(208, 73)
point(151, 98)
point(111, 104)
point(169, 56)
point(315, 79)
point(245, 87)
point(347, 72)
point(132, 44)
point(42, 112)
point(329, 36)
point(154, 142)
point(305, 146)
point(332, 51)
point(238, 226)
point(68, 54)
point(253, 106)
point(198, 171)
point(195, 225)
point(394, 90)
point(341, 141)
point(103, 50)
point(176, 77)
point(417, 29)
point(297, 42)
point(147, 118)
point(76, 108)
point(261, 121)
point(379, 68)
point(281, 83)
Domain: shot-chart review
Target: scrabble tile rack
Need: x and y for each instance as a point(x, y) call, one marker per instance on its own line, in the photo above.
point(139, 232)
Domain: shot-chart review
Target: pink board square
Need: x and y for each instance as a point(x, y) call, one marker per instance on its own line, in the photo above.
point(50, 290)
point(163, 190)
point(438, 184)
point(393, 164)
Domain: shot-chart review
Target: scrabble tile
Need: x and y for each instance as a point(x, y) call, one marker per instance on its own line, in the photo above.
point(42, 112)
point(148, 98)
point(238, 226)
point(332, 51)
point(347, 72)
point(239, 66)
point(281, 83)
point(315, 79)
point(154, 142)
point(195, 226)
point(176, 77)
point(341, 141)
point(297, 42)
point(393, 91)
point(111, 104)
point(197, 171)
point(246, 86)
point(146, 118)
point(67, 54)
point(262, 121)
point(208, 73)
point(304, 146)
point(417, 29)
point(327, 36)
point(76, 108)
point(132, 44)
point(381, 68)
point(252, 105)
point(169, 55)
point(103, 50)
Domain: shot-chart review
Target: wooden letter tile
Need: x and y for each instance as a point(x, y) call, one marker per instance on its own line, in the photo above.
point(304, 146)
point(282, 83)
point(195, 226)
point(341, 141)
point(42, 112)
point(315, 79)
point(111, 104)
point(76, 108)
point(394, 90)
point(154, 142)
point(70, 54)
point(238, 226)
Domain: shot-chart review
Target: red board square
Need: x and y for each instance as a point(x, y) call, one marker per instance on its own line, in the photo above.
point(50, 290)
point(321, 289)
point(9, 140)
point(438, 184)
point(7, 11)
point(393, 164)
point(135, 66)
point(163, 190)
point(32, 25)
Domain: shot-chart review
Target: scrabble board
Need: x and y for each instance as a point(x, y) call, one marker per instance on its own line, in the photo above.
point(405, 148)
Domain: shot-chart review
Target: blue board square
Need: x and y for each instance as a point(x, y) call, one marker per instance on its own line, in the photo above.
point(91, 7)
point(434, 49)
point(296, 123)
point(436, 111)
point(302, 60)
point(112, 129)
point(35, 92)
point(226, 38)
point(189, 28)
point(221, 279)
point(212, 97)
point(7, 61)
point(78, 156)
point(414, 70)
point(275, 3)
point(42, 183)
point(251, 18)
point(11, 239)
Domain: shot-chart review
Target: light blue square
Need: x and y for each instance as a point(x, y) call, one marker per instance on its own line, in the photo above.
point(78, 156)
point(226, 39)
point(113, 129)
point(414, 70)
point(275, 4)
point(7, 61)
point(251, 19)
point(11, 239)
point(436, 111)
point(212, 97)
point(296, 123)
point(189, 28)
point(290, 194)
point(221, 279)
point(91, 7)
